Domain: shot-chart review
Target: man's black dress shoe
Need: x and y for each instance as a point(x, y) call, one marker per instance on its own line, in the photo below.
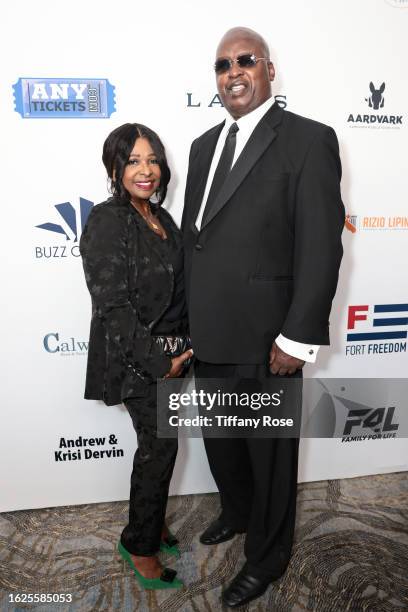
point(244, 588)
point(216, 533)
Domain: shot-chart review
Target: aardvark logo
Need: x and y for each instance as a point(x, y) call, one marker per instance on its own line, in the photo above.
point(376, 100)
point(376, 119)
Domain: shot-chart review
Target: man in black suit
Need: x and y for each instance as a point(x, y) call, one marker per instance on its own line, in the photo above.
point(262, 227)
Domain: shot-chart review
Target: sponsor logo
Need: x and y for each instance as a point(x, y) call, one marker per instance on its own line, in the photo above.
point(71, 224)
point(368, 328)
point(398, 3)
point(353, 409)
point(378, 120)
point(368, 423)
point(55, 98)
point(56, 343)
point(215, 101)
point(350, 223)
point(103, 447)
point(376, 99)
point(369, 223)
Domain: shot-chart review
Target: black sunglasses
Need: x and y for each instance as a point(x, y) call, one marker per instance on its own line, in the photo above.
point(246, 60)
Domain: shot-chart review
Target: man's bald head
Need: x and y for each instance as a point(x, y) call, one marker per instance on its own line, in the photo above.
point(245, 33)
point(243, 86)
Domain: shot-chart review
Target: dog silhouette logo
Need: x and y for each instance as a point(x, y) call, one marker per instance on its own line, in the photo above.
point(376, 99)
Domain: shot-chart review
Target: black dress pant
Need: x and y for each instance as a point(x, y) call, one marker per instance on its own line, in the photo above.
point(256, 476)
point(149, 485)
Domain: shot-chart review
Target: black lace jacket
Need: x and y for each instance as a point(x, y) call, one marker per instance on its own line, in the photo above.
point(122, 358)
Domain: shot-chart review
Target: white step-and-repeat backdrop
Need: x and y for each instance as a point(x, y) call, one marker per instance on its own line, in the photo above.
point(73, 72)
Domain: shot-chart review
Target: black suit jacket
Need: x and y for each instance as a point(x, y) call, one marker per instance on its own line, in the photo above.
point(122, 357)
point(266, 259)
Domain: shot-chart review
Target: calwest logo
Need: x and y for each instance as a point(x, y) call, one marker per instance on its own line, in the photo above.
point(375, 101)
point(56, 98)
point(368, 327)
point(65, 347)
point(71, 226)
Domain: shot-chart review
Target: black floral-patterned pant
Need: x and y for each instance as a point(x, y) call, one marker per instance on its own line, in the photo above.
point(149, 484)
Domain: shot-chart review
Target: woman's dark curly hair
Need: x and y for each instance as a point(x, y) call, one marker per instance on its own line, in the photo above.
point(116, 152)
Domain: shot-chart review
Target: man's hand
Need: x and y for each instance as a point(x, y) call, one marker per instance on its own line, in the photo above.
point(177, 364)
point(282, 363)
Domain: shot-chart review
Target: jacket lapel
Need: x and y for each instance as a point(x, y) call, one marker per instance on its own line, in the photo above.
point(201, 169)
point(262, 136)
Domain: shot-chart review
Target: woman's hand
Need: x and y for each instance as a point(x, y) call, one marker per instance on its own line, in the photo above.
point(177, 364)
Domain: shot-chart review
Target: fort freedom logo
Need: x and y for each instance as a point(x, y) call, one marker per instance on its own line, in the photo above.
point(60, 98)
point(373, 325)
point(71, 225)
point(375, 100)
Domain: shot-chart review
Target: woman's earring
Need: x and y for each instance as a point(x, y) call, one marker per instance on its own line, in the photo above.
point(155, 199)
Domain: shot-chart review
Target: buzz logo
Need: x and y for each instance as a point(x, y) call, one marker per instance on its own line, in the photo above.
point(64, 347)
point(55, 98)
point(71, 224)
point(369, 321)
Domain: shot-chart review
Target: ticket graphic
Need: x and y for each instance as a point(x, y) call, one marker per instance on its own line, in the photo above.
point(57, 98)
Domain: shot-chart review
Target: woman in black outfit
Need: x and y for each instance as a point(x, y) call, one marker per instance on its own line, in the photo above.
point(133, 263)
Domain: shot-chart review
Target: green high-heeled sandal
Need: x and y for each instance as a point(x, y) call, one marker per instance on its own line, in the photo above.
point(167, 579)
point(169, 545)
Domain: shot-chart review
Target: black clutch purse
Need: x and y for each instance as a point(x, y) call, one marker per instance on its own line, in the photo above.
point(173, 346)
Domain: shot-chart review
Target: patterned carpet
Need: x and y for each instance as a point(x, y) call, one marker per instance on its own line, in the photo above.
point(350, 553)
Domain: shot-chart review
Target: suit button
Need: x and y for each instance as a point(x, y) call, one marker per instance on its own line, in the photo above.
point(198, 247)
point(311, 352)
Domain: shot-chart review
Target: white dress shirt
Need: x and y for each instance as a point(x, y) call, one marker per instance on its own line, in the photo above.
point(247, 124)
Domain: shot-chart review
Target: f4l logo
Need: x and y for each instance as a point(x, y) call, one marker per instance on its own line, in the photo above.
point(68, 214)
point(379, 420)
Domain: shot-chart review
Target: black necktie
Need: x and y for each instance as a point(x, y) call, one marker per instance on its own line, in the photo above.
point(223, 168)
